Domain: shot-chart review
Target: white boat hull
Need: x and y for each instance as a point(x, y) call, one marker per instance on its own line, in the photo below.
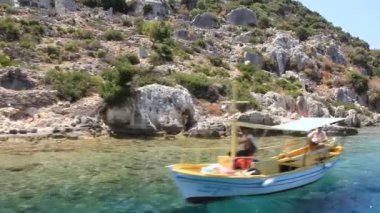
point(192, 186)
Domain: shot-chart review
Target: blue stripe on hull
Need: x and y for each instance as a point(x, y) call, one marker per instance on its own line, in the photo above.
point(200, 186)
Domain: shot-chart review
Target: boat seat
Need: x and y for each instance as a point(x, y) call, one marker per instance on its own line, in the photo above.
point(267, 167)
point(225, 161)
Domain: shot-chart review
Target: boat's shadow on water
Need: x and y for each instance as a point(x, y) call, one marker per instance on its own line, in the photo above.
point(205, 200)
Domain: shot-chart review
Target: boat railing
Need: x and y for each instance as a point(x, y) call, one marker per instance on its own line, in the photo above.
point(211, 154)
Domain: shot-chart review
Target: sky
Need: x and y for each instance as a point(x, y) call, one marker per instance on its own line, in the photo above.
point(361, 18)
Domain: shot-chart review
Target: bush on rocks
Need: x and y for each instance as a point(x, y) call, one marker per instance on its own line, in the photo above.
point(197, 85)
point(359, 82)
point(71, 85)
point(112, 35)
point(116, 86)
point(156, 30)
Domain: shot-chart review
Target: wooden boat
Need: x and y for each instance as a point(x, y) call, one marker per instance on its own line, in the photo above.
point(287, 170)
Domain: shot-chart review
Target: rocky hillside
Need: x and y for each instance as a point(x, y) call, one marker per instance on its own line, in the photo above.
point(146, 66)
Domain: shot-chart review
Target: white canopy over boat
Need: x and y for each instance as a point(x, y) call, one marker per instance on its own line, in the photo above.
point(301, 125)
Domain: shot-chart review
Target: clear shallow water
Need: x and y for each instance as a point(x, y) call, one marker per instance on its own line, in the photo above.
point(112, 175)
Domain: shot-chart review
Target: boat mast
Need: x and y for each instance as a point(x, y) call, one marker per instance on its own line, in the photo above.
point(233, 122)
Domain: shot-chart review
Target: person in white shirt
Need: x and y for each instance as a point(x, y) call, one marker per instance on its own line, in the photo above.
point(317, 138)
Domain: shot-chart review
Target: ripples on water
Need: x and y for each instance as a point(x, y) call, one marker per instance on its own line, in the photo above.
point(112, 175)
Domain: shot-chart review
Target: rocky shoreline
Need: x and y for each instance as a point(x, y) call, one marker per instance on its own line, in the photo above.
point(157, 109)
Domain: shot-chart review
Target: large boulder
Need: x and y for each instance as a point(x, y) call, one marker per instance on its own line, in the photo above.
point(187, 35)
point(9, 2)
point(64, 6)
point(352, 119)
point(157, 9)
point(286, 50)
point(325, 46)
point(46, 4)
point(15, 78)
point(335, 130)
point(374, 103)
point(345, 95)
point(242, 38)
point(340, 112)
point(27, 98)
point(242, 16)
point(206, 21)
point(209, 127)
point(310, 106)
point(156, 108)
point(335, 54)
point(276, 104)
point(316, 108)
point(254, 58)
point(256, 117)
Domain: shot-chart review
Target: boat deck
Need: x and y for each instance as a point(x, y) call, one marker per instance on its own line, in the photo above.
point(297, 159)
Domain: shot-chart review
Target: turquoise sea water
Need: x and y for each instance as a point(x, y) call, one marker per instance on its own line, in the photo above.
point(109, 175)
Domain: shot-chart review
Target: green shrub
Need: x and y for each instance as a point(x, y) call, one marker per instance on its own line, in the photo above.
point(247, 69)
point(156, 30)
point(28, 41)
point(359, 82)
point(128, 58)
point(71, 30)
point(32, 27)
point(147, 8)
point(261, 88)
point(101, 53)
point(72, 46)
point(91, 3)
point(263, 22)
point(148, 78)
point(162, 53)
point(360, 56)
point(117, 85)
point(329, 83)
point(133, 58)
point(53, 52)
point(9, 29)
point(291, 88)
point(92, 44)
point(262, 76)
point(269, 64)
point(303, 33)
point(196, 84)
point(83, 34)
point(209, 5)
point(127, 22)
point(116, 5)
point(71, 85)
point(112, 35)
point(216, 61)
point(7, 9)
point(373, 97)
point(243, 94)
point(198, 45)
point(5, 60)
